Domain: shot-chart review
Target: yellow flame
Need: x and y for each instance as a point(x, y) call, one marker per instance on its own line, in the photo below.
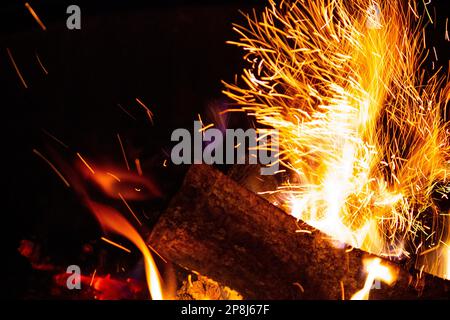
point(375, 271)
point(359, 127)
point(113, 221)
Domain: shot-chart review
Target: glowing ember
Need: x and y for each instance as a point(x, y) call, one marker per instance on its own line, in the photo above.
point(361, 130)
point(375, 271)
point(105, 287)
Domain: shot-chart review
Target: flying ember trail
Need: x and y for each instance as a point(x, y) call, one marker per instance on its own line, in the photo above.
point(362, 127)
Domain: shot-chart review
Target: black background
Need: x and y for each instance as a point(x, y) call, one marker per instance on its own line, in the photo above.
point(170, 54)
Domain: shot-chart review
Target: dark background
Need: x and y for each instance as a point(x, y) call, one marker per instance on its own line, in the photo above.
point(170, 54)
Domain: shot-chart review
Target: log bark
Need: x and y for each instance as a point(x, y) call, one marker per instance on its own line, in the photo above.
point(222, 230)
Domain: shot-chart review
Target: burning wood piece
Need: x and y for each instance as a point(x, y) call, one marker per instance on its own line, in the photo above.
point(203, 288)
point(227, 233)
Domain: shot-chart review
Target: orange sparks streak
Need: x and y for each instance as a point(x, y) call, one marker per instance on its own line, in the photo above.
point(85, 163)
point(16, 68)
point(138, 166)
point(35, 16)
point(115, 244)
point(342, 291)
point(157, 253)
point(200, 119)
point(129, 208)
point(126, 112)
point(56, 139)
point(123, 152)
point(41, 64)
point(446, 30)
point(303, 231)
point(299, 286)
point(165, 163)
point(53, 167)
point(92, 279)
point(147, 110)
point(114, 176)
point(205, 128)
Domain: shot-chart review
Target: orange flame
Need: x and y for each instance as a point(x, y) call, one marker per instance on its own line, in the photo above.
point(117, 183)
point(375, 271)
point(111, 220)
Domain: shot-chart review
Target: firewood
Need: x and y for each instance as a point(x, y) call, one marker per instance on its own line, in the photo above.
point(222, 230)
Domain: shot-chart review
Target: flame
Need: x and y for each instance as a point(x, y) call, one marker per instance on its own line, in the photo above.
point(117, 184)
point(359, 127)
point(113, 221)
point(375, 271)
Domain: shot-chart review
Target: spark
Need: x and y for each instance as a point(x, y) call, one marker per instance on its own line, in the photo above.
point(53, 167)
point(126, 112)
point(19, 74)
point(129, 208)
point(113, 176)
point(206, 127)
point(342, 291)
point(157, 253)
point(123, 152)
point(115, 244)
point(85, 163)
point(303, 231)
point(92, 279)
point(435, 54)
point(426, 10)
point(138, 166)
point(35, 16)
point(446, 30)
point(41, 64)
point(299, 286)
point(56, 139)
point(147, 110)
point(200, 119)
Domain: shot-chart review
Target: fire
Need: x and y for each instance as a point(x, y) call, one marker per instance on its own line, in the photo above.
point(119, 184)
point(375, 271)
point(360, 128)
point(115, 222)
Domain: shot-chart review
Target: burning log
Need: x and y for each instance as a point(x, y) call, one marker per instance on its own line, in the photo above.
point(228, 233)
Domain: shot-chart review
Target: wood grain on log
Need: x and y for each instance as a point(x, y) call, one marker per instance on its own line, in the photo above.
point(222, 230)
